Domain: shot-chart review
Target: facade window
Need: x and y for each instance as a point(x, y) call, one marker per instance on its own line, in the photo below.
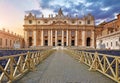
point(64, 33)
point(107, 43)
point(111, 43)
point(88, 22)
point(45, 21)
point(0, 41)
point(73, 21)
point(45, 33)
point(64, 21)
point(53, 21)
point(13, 42)
point(6, 42)
point(111, 31)
point(10, 42)
point(38, 22)
point(117, 26)
point(79, 22)
point(116, 43)
point(72, 33)
point(89, 33)
point(53, 33)
point(59, 32)
point(30, 21)
point(30, 33)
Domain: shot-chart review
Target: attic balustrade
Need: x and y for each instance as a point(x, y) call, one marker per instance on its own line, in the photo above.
point(109, 65)
point(14, 66)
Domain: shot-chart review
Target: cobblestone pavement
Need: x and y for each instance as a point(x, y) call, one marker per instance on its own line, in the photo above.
point(61, 68)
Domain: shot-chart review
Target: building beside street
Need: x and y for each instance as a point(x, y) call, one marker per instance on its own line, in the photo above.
point(10, 40)
point(108, 34)
point(59, 30)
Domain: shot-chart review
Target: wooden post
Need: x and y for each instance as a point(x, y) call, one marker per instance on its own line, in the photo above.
point(28, 60)
point(11, 69)
point(82, 56)
point(94, 65)
point(117, 68)
point(104, 63)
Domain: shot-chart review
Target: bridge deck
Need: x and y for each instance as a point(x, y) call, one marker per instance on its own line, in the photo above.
point(61, 68)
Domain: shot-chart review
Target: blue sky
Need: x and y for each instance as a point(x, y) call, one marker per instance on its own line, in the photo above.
point(12, 11)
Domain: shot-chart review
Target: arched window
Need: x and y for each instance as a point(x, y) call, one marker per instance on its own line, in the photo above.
point(30, 21)
point(80, 22)
point(65, 22)
point(53, 21)
point(73, 21)
point(38, 22)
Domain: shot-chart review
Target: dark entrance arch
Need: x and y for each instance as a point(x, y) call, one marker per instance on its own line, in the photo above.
point(30, 41)
point(59, 42)
point(46, 43)
point(88, 41)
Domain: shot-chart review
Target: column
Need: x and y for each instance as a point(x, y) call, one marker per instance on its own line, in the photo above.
point(83, 38)
point(93, 40)
point(62, 37)
point(42, 37)
point(76, 38)
point(67, 38)
point(34, 37)
point(55, 37)
point(51, 38)
point(26, 37)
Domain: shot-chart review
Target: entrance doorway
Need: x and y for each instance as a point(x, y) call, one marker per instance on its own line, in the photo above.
point(46, 42)
point(30, 41)
point(73, 43)
point(64, 43)
point(53, 43)
point(88, 41)
point(59, 42)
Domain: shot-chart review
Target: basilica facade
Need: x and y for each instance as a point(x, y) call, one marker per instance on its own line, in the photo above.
point(59, 30)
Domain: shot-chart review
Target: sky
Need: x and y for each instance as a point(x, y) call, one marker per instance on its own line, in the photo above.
point(12, 12)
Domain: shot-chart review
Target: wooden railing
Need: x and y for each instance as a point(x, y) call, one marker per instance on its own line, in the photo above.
point(106, 64)
point(14, 66)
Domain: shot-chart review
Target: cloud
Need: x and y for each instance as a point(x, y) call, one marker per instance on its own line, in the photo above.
point(105, 9)
point(35, 12)
point(45, 3)
point(100, 9)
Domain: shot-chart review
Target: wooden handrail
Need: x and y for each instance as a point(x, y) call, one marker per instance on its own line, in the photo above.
point(106, 64)
point(14, 66)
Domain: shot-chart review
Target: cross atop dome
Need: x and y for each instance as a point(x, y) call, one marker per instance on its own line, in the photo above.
point(60, 13)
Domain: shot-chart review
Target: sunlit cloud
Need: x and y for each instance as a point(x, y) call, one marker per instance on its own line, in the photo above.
point(105, 9)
